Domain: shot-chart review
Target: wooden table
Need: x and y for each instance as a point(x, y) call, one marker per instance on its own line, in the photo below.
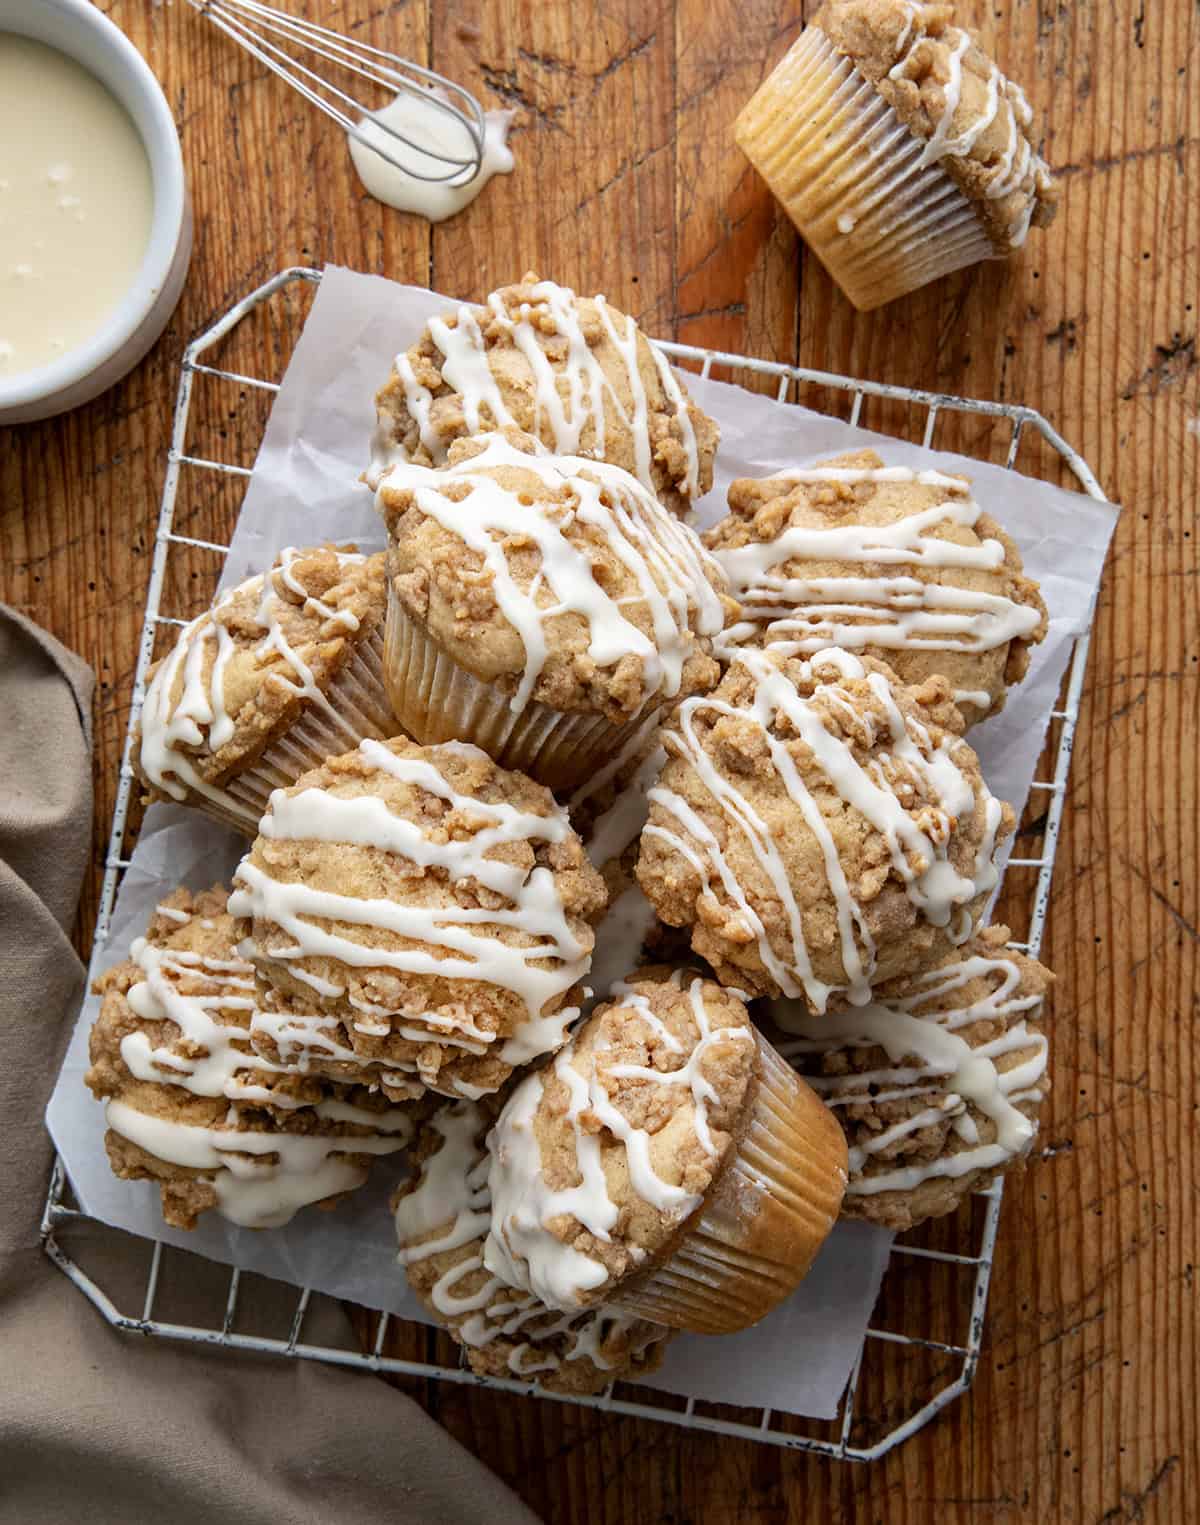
point(627, 181)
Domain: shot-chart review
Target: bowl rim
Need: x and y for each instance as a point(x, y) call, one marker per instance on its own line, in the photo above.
point(138, 91)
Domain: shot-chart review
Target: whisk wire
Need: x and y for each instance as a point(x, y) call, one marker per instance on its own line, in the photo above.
point(252, 25)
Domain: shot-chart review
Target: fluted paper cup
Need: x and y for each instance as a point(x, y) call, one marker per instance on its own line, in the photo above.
point(753, 1239)
point(849, 174)
point(436, 699)
point(358, 698)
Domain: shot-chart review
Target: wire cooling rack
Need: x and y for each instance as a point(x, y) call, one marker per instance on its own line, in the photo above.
point(959, 1249)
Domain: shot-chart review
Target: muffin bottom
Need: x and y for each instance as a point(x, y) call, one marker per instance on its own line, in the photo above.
point(358, 708)
point(852, 178)
point(764, 1218)
point(436, 699)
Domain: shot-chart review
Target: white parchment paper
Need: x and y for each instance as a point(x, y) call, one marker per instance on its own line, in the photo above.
point(305, 490)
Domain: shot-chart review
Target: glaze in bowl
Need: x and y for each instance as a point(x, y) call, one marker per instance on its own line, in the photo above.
point(76, 28)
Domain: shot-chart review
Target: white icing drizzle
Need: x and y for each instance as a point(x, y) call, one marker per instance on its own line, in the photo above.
point(671, 570)
point(804, 615)
point(262, 1175)
point(521, 1248)
point(450, 941)
point(261, 1179)
point(452, 1195)
point(172, 914)
point(1018, 163)
point(217, 1045)
point(199, 718)
point(452, 1190)
point(560, 421)
point(918, 842)
point(950, 1074)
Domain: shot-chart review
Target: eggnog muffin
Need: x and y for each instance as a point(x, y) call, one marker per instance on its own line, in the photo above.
point(543, 607)
point(820, 827)
point(937, 1083)
point(282, 672)
point(442, 1216)
point(437, 906)
point(573, 371)
point(898, 564)
point(897, 147)
point(667, 1162)
point(191, 1106)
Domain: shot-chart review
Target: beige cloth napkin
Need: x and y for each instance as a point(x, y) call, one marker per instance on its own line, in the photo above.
point(100, 1426)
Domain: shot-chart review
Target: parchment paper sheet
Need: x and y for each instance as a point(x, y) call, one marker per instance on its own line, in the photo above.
point(304, 490)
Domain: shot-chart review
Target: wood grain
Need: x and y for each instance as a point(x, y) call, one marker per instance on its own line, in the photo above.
point(1084, 1409)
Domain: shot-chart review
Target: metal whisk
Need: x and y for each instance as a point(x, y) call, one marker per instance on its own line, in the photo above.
point(254, 26)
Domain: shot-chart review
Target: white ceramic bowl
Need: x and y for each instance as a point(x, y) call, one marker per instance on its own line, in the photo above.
point(77, 28)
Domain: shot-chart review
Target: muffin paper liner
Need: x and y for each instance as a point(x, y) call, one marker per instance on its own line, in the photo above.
point(357, 695)
point(436, 699)
point(763, 1219)
point(849, 174)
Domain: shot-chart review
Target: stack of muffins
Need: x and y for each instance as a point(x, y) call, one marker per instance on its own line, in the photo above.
point(569, 829)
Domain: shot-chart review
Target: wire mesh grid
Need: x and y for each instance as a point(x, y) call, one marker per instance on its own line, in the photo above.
point(972, 1234)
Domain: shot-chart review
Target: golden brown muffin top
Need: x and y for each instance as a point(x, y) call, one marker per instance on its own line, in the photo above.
point(899, 564)
point(573, 371)
point(820, 826)
point(240, 674)
point(554, 578)
point(599, 1158)
point(937, 1083)
point(442, 1216)
point(187, 1096)
point(438, 905)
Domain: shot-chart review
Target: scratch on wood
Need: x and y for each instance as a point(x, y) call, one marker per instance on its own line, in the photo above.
point(1173, 363)
point(730, 310)
point(504, 83)
point(634, 50)
point(1100, 163)
point(1069, 1330)
point(1133, 1505)
point(1179, 919)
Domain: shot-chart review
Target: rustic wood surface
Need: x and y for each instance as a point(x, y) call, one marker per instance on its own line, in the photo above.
point(627, 180)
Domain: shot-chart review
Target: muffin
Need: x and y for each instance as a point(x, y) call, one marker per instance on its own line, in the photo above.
point(437, 906)
point(897, 564)
point(191, 1106)
point(821, 827)
point(897, 147)
point(667, 1163)
point(542, 607)
point(281, 673)
point(573, 371)
point(442, 1216)
point(937, 1083)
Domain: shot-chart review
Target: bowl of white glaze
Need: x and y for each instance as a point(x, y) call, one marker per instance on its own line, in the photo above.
point(128, 325)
